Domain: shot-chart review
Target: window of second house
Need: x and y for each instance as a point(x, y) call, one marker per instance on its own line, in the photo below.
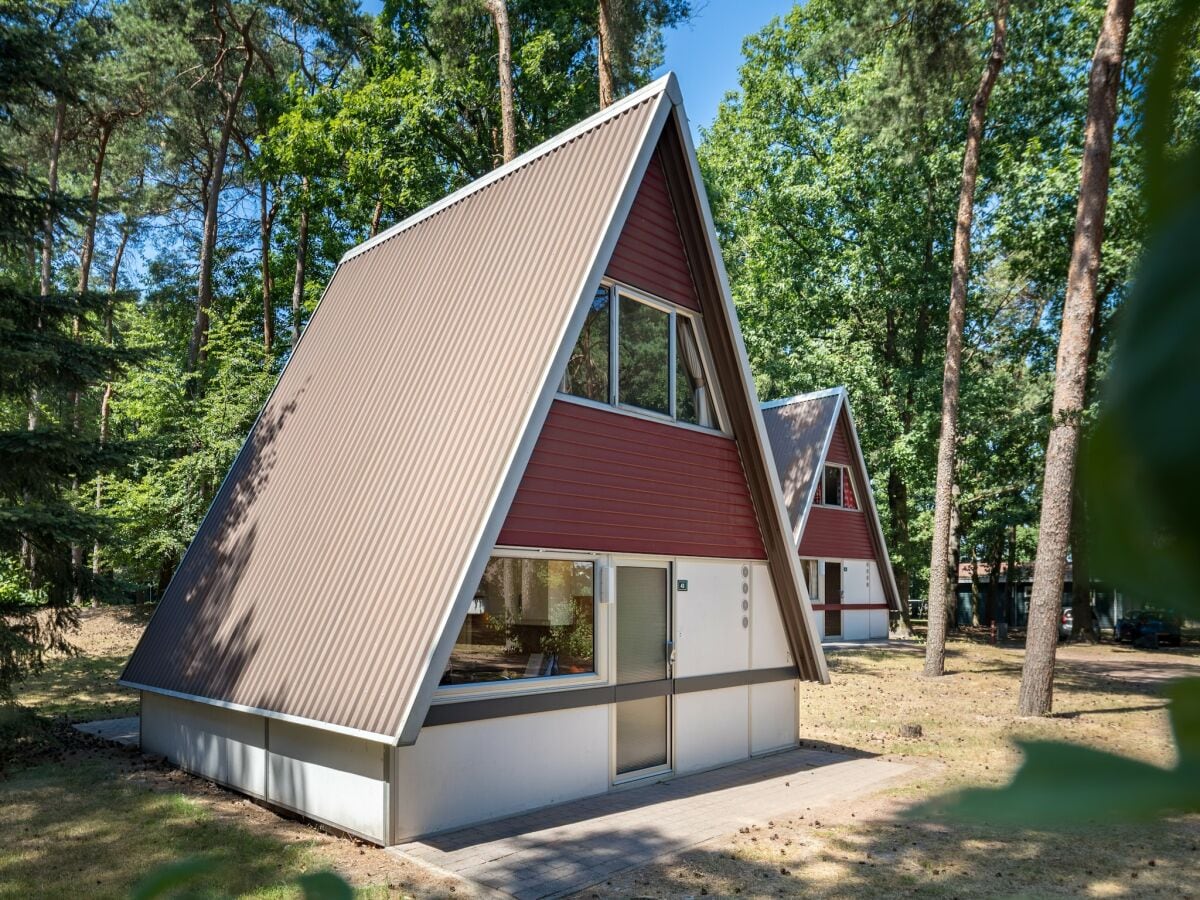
point(831, 489)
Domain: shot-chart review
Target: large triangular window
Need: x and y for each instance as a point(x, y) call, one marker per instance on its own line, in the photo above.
point(658, 368)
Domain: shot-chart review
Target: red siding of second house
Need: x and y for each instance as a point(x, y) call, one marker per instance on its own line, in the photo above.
point(832, 533)
point(649, 254)
point(601, 480)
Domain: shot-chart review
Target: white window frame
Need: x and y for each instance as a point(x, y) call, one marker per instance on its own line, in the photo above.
point(616, 291)
point(847, 474)
point(449, 693)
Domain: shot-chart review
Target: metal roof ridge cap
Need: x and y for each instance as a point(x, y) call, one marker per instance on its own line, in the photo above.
point(665, 84)
point(799, 398)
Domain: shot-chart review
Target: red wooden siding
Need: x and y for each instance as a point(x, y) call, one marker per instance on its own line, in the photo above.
point(649, 254)
point(836, 534)
point(600, 480)
point(840, 447)
point(839, 533)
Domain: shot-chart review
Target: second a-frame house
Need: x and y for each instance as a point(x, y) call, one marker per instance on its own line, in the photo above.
point(835, 523)
point(508, 531)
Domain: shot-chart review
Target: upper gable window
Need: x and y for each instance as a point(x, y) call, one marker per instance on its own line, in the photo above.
point(657, 367)
point(644, 357)
point(831, 489)
point(588, 370)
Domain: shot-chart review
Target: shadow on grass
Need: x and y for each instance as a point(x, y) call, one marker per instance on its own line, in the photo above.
point(885, 859)
point(80, 689)
point(93, 826)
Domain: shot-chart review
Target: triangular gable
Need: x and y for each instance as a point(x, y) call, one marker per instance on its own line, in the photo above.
point(328, 581)
point(650, 253)
point(807, 431)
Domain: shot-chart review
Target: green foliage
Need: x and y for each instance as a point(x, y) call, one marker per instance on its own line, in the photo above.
point(1142, 483)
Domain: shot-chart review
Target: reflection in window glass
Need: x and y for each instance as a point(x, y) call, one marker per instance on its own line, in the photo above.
point(644, 339)
point(531, 618)
point(833, 486)
point(587, 370)
point(692, 400)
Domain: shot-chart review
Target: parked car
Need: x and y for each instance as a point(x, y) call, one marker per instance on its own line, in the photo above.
point(1162, 624)
point(1066, 624)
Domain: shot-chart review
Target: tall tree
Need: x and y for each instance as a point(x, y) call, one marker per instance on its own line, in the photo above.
point(231, 68)
point(606, 34)
point(1104, 80)
point(498, 10)
point(943, 534)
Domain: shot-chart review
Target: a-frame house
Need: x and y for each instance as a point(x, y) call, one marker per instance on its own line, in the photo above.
point(508, 531)
point(835, 523)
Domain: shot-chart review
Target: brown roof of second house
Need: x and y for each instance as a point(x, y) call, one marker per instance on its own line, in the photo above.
point(356, 521)
point(799, 430)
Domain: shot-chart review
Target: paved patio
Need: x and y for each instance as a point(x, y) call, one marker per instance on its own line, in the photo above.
point(125, 732)
point(557, 851)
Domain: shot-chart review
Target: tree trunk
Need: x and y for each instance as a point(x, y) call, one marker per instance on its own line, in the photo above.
point(1070, 379)
point(197, 351)
point(604, 52)
point(87, 253)
point(975, 604)
point(106, 399)
point(499, 13)
point(264, 228)
point(935, 647)
point(301, 264)
point(1010, 591)
point(375, 217)
point(1083, 625)
point(898, 504)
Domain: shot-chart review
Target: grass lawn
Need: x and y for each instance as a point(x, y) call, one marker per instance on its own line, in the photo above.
point(82, 819)
point(1106, 697)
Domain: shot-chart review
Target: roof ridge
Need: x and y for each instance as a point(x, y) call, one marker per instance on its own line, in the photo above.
point(800, 398)
point(665, 84)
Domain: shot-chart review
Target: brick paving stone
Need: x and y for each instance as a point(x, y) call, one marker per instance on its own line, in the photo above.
point(566, 848)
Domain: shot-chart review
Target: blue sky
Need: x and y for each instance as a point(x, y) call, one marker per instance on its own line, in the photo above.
point(705, 53)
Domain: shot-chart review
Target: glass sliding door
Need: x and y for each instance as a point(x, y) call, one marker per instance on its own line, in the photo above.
point(643, 670)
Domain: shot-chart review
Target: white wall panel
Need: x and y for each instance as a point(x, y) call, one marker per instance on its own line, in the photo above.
point(474, 771)
point(711, 728)
point(216, 743)
point(768, 641)
point(855, 580)
point(709, 633)
point(879, 623)
point(773, 716)
point(331, 777)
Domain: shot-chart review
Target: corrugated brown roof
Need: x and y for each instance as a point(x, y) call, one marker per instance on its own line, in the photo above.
point(319, 583)
point(799, 430)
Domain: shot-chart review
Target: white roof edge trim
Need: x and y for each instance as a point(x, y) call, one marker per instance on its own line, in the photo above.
point(800, 398)
point(876, 523)
point(666, 84)
point(539, 408)
point(756, 417)
point(265, 713)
